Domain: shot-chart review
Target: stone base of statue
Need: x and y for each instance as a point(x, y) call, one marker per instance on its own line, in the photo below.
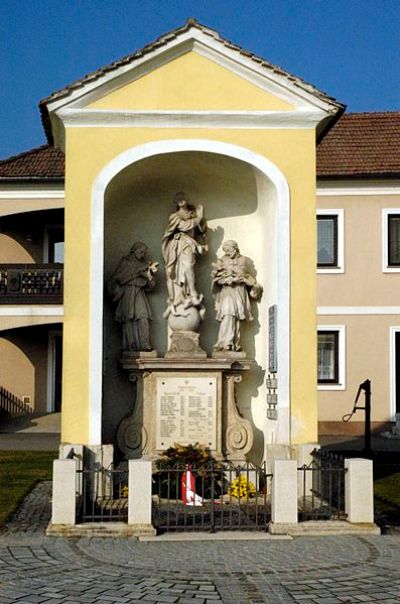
point(185, 401)
point(229, 354)
point(139, 354)
point(184, 344)
point(184, 322)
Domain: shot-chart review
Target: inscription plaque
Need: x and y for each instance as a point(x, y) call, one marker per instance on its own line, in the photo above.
point(272, 333)
point(186, 411)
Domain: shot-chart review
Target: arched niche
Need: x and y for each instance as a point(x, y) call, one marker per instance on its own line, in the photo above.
point(246, 198)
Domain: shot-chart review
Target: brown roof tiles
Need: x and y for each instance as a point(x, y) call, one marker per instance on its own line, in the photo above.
point(41, 164)
point(361, 145)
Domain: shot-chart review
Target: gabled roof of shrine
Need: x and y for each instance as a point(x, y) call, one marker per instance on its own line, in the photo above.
point(162, 41)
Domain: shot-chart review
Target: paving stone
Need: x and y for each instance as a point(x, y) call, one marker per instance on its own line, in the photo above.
point(326, 570)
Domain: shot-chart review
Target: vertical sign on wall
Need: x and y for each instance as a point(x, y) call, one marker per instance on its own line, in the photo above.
point(272, 337)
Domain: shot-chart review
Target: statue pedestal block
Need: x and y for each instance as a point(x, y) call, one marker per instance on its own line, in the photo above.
point(185, 401)
point(185, 344)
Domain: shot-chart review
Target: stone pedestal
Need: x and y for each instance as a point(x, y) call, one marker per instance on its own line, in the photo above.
point(185, 401)
point(184, 344)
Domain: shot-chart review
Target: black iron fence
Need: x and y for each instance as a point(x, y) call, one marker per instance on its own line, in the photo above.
point(12, 406)
point(211, 497)
point(321, 487)
point(31, 283)
point(102, 495)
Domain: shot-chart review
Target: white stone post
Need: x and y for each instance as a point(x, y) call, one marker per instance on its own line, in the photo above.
point(359, 490)
point(284, 492)
point(64, 492)
point(139, 494)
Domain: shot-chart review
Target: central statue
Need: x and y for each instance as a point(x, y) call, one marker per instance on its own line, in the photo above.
point(185, 239)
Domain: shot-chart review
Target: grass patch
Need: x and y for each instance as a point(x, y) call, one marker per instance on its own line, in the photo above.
point(387, 493)
point(19, 472)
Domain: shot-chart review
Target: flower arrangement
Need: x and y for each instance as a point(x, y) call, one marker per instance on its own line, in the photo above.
point(242, 488)
point(196, 455)
point(208, 473)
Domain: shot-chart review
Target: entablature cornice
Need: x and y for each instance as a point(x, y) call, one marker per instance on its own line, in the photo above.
point(301, 118)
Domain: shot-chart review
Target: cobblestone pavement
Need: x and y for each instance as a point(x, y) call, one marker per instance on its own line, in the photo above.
point(36, 569)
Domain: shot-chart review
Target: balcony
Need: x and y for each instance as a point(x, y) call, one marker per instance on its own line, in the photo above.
point(31, 283)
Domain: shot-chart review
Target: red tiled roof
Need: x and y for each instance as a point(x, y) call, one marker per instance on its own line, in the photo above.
point(161, 41)
point(41, 164)
point(361, 145)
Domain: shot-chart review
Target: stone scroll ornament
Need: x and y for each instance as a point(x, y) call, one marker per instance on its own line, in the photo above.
point(233, 287)
point(128, 286)
point(131, 435)
point(239, 436)
point(184, 240)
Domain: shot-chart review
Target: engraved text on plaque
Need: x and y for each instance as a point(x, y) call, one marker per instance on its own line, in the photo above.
point(186, 411)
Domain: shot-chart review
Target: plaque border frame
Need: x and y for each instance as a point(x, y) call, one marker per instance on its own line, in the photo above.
point(190, 374)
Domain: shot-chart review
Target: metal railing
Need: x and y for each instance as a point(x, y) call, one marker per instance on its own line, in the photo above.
point(211, 497)
point(31, 283)
point(102, 495)
point(12, 406)
point(321, 487)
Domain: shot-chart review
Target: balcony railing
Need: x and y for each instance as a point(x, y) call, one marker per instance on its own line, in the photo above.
point(31, 283)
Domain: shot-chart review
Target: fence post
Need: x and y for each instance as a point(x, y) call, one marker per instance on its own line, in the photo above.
point(304, 458)
point(284, 492)
point(139, 494)
point(359, 490)
point(64, 492)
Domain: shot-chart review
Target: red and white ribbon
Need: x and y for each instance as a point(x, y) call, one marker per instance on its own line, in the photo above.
point(188, 489)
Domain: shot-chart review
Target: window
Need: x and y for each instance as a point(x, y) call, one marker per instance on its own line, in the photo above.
point(53, 244)
point(327, 240)
point(330, 252)
point(393, 242)
point(328, 357)
point(331, 357)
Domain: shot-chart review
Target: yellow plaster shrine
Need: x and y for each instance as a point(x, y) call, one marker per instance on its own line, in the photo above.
point(191, 82)
point(293, 152)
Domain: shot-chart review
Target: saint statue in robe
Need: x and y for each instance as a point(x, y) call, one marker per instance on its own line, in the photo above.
point(133, 277)
point(233, 287)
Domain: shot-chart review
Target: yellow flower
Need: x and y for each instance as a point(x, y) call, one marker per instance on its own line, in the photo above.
point(241, 488)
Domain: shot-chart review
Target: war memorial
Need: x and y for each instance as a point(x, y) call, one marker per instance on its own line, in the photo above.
point(189, 316)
